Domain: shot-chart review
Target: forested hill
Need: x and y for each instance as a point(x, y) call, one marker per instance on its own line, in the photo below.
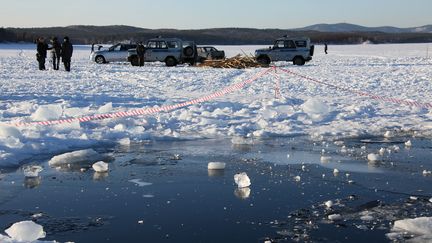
point(81, 34)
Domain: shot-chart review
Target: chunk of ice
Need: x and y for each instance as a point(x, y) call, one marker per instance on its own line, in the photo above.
point(86, 155)
point(335, 217)
point(417, 226)
point(32, 170)
point(242, 180)
point(325, 159)
point(216, 165)
point(100, 166)
point(408, 143)
point(25, 231)
point(329, 204)
point(373, 157)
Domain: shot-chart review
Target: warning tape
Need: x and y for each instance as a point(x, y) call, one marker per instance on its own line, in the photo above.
point(147, 111)
point(361, 93)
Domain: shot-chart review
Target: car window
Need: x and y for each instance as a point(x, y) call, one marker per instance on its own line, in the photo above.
point(301, 43)
point(279, 44)
point(152, 44)
point(162, 45)
point(117, 48)
point(289, 44)
point(172, 44)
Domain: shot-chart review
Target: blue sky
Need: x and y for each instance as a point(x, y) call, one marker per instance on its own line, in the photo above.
point(191, 14)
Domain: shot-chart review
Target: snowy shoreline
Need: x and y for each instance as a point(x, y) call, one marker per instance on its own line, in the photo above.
point(398, 71)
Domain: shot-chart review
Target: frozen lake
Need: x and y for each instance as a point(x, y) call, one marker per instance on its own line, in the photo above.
point(325, 163)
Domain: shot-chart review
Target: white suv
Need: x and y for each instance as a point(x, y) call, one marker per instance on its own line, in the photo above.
point(297, 50)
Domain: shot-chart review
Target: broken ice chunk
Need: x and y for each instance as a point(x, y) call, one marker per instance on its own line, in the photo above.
point(86, 155)
point(325, 159)
point(216, 165)
point(335, 217)
point(242, 180)
point(427, 172)
point(25, 231)
point(32, 170)
point(100, 167)
point(408, 143)
point(329, 204)
point(297, 178)
point(373, 157)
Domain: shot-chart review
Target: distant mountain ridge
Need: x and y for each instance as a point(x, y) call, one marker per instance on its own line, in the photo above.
point(341, 33)
point(346, 27)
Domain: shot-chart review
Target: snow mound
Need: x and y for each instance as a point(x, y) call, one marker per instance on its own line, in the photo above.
point(80, 156)
point(47, 112)
point(100, 167)
point(216, 165)
point(25, 231)
point(315, 108)
point(242, 180)
point(8, 131)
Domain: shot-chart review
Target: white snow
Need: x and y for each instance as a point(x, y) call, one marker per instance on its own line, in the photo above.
point(216, 166)
point(27, 94)
point(328, 203)
point(80, 156)
point(25, 231)
point(242, 180)
point(100, 167)
point(335, 217)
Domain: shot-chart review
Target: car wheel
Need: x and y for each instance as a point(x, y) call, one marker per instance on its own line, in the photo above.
point(100, 60)
point(263, 60)
point(299, 61)
point(188, 51)
point(170, 61)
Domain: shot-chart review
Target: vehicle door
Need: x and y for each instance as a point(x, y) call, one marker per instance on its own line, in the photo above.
point(276, 53)
point(289, 51)
point(111, 54)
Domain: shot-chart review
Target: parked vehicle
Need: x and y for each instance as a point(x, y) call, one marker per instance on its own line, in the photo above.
point(209, 53)
point(116, 53)
point(297, 50)
point(172, 51)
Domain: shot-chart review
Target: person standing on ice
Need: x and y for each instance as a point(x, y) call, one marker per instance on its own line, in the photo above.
point(325, 48)
point(55, 53)
point(41, 54)
point(66, 53)
point(140, 49)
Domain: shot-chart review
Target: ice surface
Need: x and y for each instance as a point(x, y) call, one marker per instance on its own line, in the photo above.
point(306, 108)
point(100, 167)
point(216, 165)
point(242, 180)
point(25, 231)
point(80, 156)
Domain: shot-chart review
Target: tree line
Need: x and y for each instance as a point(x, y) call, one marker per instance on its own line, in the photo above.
point(216, 36)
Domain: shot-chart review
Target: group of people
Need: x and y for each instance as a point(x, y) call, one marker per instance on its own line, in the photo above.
point(63, 51)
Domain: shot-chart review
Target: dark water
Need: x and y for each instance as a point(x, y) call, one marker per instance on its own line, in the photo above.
point(187, 203)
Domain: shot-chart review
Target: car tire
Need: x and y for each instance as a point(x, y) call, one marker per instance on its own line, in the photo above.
point(100, 60)
point(299, 61)
point(170, 62)
point(188, 51)
point(265, 60)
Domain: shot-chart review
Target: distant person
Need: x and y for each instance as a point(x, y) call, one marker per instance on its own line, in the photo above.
point(140, 49)
point(325, 48)
point(66, 53)
point(41, 54)
point(55, 53)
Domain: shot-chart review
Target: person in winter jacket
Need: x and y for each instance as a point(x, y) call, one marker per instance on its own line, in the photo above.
point(66, 53)
point(140, 49)
point(55, 53)
point(41, 54)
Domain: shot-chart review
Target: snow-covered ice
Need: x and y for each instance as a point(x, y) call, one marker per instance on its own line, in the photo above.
point(79, 156)
point(421, 226)
point(32, 170)
point(399, 71)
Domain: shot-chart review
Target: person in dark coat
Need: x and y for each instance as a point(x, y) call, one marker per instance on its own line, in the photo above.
point(55, 53)
point(66, 53)
point(325, 48)
point(140, 49)
point(41, 54)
